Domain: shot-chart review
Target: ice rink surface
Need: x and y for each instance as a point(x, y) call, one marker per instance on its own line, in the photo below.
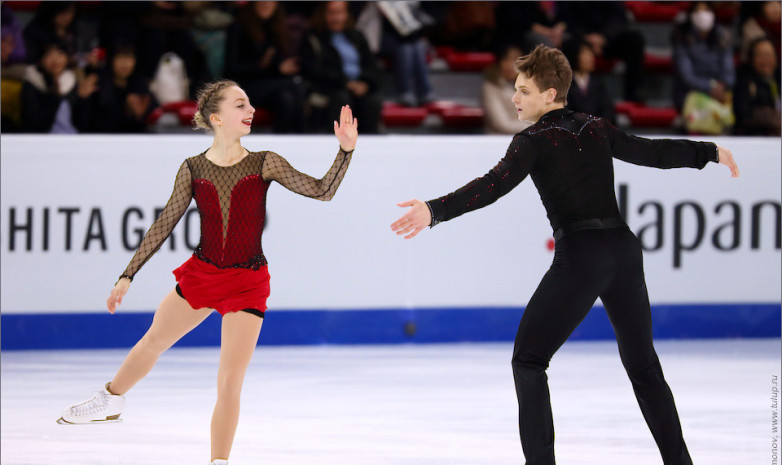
point(390, 405)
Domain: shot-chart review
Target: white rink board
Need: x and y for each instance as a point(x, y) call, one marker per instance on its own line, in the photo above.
point(342, 254)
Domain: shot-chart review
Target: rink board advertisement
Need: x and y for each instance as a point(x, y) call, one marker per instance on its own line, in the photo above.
point(74, 208)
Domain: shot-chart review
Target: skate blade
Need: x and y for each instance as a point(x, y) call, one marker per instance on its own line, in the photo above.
point(112, 419)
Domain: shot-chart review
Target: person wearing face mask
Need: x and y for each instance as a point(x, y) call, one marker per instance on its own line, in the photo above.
point(228, 271)
point(703, 56)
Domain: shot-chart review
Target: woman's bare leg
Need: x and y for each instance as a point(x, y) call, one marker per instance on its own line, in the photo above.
point(239, 336)
point(173, 319)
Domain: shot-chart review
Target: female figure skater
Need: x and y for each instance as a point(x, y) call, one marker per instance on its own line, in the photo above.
point(596, 255)
point(227, 271)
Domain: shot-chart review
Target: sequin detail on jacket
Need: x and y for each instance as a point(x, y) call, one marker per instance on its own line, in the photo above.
point(569, 157)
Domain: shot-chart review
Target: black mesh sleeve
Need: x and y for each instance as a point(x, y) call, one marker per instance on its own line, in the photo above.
point(165, 223)
point(276, 168)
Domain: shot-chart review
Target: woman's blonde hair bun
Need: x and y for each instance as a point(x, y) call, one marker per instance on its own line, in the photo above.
point(209, 98)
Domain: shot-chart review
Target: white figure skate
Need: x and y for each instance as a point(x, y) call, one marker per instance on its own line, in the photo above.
point(103, 407)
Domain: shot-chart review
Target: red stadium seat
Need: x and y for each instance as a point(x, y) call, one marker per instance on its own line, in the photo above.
point(646, 117)
point(658, 63)
point(33, 5)
point(624, 107)
point(22, 6)
point(397, 115)
point(154, 116)
point(262, 117)
point(462, 117)
point(444, 51)
point(654, 12)
point(437, 107)
point(469, 61)
point(172, 107)
point(185, 112)
point(464, 61)
point(652, 117)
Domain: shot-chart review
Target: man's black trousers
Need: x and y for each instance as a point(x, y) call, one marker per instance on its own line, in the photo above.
point(588, 264)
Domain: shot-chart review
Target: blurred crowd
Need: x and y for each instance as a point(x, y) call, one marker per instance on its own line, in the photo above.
point(104, 67)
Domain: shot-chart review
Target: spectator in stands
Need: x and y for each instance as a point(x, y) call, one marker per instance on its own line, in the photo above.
point(527, 24)
point(12, 36)
point(53, 22)
point(120, 22)
point(703, 56)
point(500, 114)
point(260, 58)
point(165, 27)
point(12, 69)
point(50, 101)
point(210, 20)
point(119, 100)
point(402, 26)
point(468, 25)
point(765, 22)
point(756, 100)
point(604, 26)
point(340, 70)
point(588, 93)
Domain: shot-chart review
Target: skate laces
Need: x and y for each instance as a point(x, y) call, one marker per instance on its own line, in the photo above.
point(97, 402)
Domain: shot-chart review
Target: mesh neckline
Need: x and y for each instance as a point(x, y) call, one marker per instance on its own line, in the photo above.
point(247, 155)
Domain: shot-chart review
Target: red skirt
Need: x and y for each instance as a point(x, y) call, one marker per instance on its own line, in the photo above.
point(225, 290)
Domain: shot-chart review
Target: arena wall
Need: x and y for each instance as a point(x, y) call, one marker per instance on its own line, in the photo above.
point(73, 208)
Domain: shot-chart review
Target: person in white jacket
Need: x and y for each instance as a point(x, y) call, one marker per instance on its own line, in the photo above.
point(500, 116)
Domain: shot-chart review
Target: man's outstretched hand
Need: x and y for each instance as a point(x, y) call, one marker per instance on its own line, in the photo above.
point(414, 221)
point(726, 158)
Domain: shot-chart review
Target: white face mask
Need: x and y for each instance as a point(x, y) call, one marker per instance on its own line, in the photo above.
point(702, 20)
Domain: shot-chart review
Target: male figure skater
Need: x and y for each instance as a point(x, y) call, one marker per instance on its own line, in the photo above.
point(569, 157)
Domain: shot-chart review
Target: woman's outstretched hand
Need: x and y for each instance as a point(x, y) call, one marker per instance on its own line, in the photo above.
point(346, 129)
point(726, 158)
point(115, 298)
point(414, 221)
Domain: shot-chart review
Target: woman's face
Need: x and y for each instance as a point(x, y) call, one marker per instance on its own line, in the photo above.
point(702, 17)
point(265, 9)
point(764, 60)
point(54, 61)
point(336, 16)
point(123, 65)
point(64, 18)
point(771, 11)
point(7, 47)
point(235, 117)
point(586, 59)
